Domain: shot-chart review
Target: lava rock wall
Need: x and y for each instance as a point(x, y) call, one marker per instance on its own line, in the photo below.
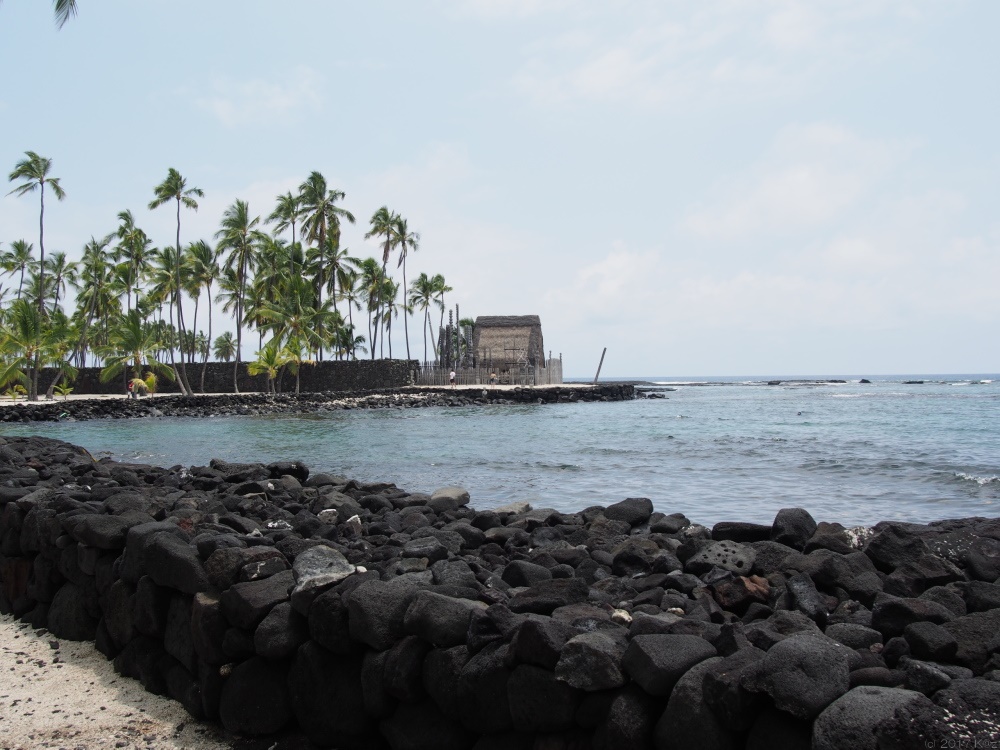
point(269, 596)
point(330, 375)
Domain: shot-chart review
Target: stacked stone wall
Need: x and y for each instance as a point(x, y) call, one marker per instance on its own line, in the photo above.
point(269, 596)
point(330, 375)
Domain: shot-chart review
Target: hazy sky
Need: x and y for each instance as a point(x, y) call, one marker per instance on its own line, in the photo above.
point(706, 188)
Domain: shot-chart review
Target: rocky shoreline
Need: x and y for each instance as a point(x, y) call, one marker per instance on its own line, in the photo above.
point(270, 597)
point(259, 404)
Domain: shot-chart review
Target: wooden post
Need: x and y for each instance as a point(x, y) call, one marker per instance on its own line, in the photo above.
point(599, 366)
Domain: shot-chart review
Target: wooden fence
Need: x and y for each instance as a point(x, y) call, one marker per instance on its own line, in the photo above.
point(431, 373)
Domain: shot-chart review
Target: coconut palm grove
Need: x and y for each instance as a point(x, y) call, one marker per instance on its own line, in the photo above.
point(144, 311)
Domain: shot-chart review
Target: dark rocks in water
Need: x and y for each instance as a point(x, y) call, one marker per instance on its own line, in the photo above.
point(270, 596)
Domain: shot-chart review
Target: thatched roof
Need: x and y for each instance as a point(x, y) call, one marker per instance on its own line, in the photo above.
point(509, 339)
point(507, 321)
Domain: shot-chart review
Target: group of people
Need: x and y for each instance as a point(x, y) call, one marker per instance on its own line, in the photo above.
point(493, 379)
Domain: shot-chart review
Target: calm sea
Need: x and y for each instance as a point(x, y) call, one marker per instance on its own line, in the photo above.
point(713, 449)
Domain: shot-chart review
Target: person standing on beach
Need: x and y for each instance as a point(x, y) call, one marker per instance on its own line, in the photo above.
point(131, 389)
point(451, 377)
point(493, 381)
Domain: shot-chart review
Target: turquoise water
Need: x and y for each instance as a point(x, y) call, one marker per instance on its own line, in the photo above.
point(853, 453)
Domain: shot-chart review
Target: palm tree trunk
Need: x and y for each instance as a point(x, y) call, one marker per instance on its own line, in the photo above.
point(406, 313)
point(41, 262)
point(185, 386)
point(204, 365)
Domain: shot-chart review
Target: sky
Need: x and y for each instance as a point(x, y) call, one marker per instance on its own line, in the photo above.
point(721, 187)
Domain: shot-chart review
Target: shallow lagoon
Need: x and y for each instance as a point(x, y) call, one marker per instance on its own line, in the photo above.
point(854, 453)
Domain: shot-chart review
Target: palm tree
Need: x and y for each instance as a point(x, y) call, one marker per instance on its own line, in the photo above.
point(175, 188)
point(440, 289)
point(132, 341)
point(371, 290)
point(224, 347)
point(34, 171)
point(21, 345)
point(270, 359)
point(133, 244)
point(423, 294)
point(202, 270)
point(348, 279)
point(61, 273)
point(321, 217)
point(18, 260)
point(383, 222)
point(95, 299)
point(241, 239)
point(286, 214)
point(408, 241)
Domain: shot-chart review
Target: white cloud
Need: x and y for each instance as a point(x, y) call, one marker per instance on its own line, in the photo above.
point(240, 102)
point(652, 54)
point(809, 176)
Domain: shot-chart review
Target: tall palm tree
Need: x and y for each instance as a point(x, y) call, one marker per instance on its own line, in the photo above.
point(371, 291)
point(440, 289)
point(348, 279)
point(133, 245)
point(286, 214)
point(203, 269)
point(423, 294)
point(175, 188)
point(95, 299)
point(240, 238)
point(34, 174)
point(383, 222)
point(321, 217)
point(408, 242)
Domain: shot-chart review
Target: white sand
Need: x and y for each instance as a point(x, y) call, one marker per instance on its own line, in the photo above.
point(70, 697)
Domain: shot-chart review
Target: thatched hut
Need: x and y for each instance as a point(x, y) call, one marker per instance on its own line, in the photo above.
point(509, 340)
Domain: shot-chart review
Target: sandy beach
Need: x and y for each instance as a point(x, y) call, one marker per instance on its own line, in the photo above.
point(64, 694)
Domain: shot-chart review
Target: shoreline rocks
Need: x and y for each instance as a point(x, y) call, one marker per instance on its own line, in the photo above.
point(258, 404)
point(271, 598)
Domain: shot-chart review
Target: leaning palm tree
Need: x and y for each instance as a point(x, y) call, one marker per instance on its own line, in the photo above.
point(408, 242)
point(240, 239)
point(175, 188)
point(34, 174)
point(321, 217)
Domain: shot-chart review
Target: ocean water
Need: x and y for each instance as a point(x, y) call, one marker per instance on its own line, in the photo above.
point(713, 449)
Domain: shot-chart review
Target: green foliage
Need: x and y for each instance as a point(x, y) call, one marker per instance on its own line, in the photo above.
point(16, 391)
point(63, 390)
